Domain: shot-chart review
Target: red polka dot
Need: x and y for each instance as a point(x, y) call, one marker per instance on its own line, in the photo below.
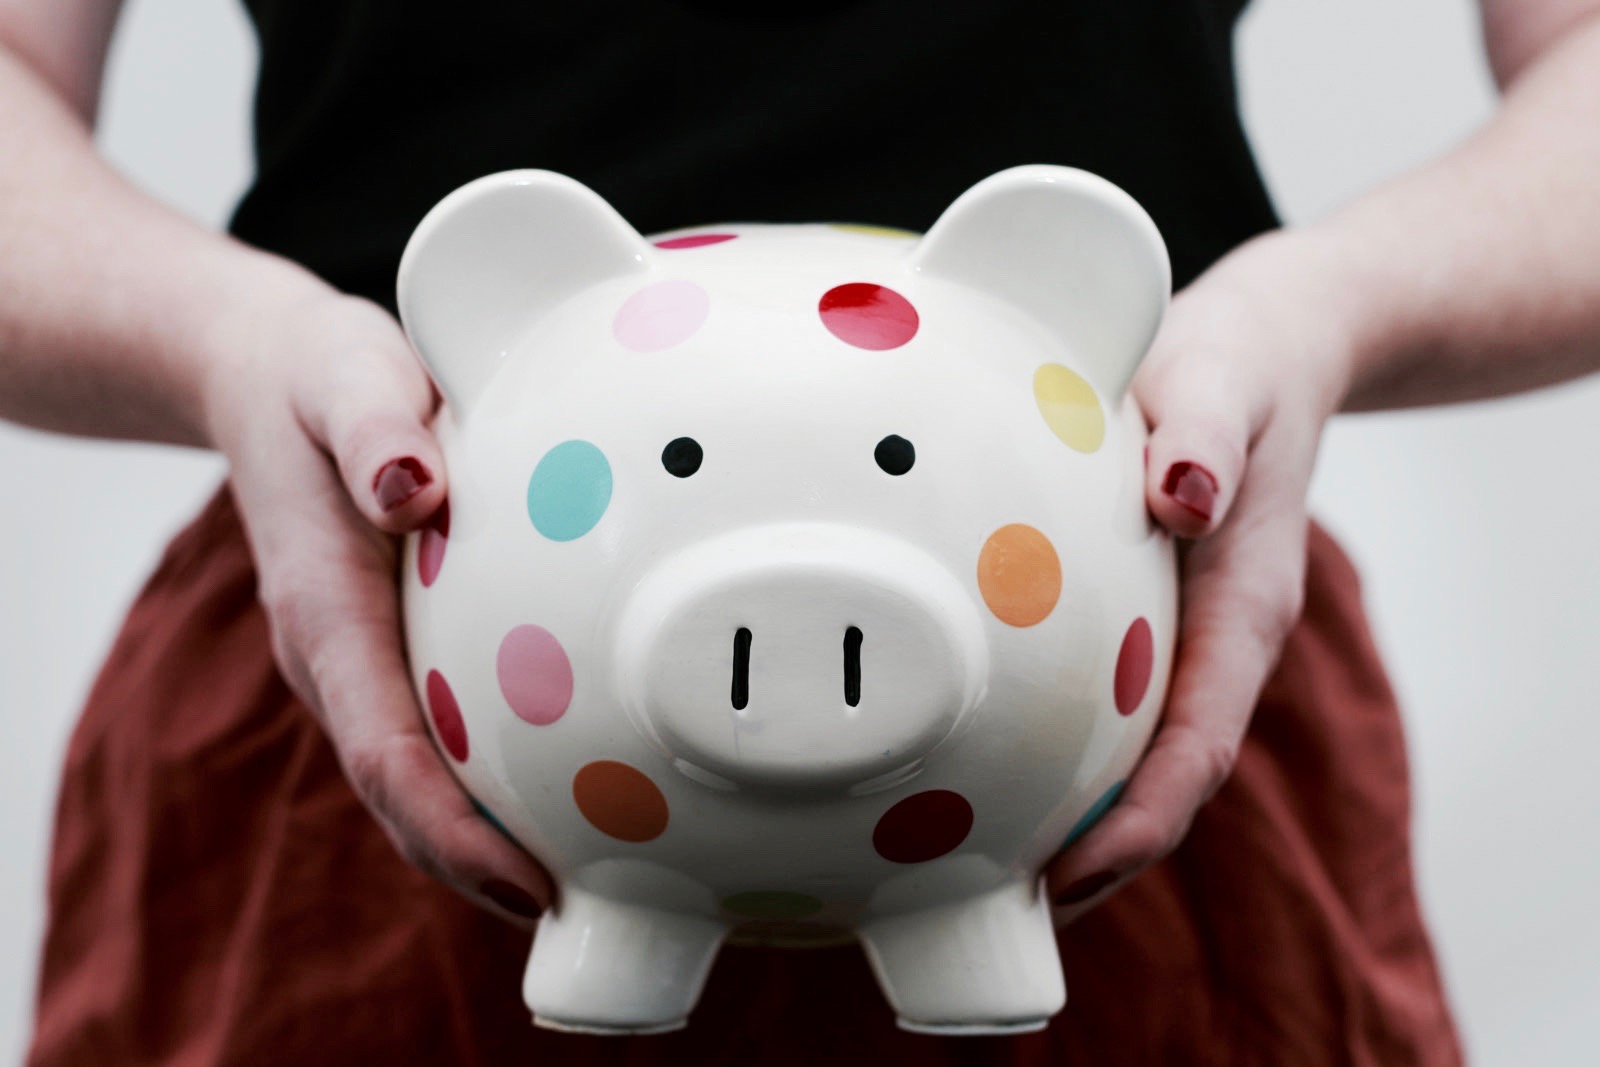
point(1134, 664)
point(696, 240)
point(923, 826)
point(446, 713)
point(430, 545)
point(868, 316)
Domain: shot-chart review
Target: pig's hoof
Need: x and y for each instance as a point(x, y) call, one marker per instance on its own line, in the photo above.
point(579, 1026)
point(1009, 1026)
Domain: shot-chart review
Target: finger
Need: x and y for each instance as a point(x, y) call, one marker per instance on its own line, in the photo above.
point(1242, 593)
point(336, 623)
point(371, 410)
point(1201, 427)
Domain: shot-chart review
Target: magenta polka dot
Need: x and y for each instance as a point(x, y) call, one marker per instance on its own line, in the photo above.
point(447, 722)
point(535, 674)
point(1134, 664)
point(923, 826)
point(661, 315)
point(868, 316)
point(696, 240)
point(430, 545)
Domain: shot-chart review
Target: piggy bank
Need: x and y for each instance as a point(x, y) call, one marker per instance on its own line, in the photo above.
point(796, 581)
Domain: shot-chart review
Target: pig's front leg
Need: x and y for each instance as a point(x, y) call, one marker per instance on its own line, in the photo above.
point(600, 966)
point(987, 965)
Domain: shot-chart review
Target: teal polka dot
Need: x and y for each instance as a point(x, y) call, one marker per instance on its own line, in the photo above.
point(489, 815)
point(1095, 813)
point(569, 490)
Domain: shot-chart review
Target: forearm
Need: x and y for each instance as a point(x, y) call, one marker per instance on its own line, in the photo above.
point(1479, 275)
point(112, 307)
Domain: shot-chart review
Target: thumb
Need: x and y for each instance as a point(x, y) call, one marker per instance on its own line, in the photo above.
point(371, 412)
point(1201, 428)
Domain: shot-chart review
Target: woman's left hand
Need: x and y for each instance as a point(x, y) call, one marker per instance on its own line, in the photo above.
point(1249, 365)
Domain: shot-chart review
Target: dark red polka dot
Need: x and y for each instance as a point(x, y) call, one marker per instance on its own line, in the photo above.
point(696, 240)
point(446, 713)
point(1134, 663)
point(923, 826)
point(430, 545)
point(868, 316)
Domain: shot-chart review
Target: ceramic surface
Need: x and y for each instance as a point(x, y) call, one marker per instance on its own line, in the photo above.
point(796, 580)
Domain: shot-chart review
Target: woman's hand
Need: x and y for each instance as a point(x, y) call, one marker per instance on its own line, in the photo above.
point(1249, 365)
point(323, 413)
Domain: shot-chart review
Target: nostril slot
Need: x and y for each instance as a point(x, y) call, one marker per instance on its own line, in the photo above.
point(741, 668)
point(852, 666)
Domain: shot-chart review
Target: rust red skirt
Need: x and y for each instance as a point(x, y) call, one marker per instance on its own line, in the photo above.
point(219, 896)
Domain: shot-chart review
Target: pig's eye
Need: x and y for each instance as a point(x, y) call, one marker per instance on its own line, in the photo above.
point(895, 454)
point(682, 457)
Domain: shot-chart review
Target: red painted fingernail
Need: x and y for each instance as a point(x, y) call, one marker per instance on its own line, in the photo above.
point(513, 898)
point(1084, 888)
point(399, 480)
point(1192, 486)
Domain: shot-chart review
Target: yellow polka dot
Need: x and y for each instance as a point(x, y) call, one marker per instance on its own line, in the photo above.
point(874, 231)
point(1019, 575)
point(1069, 407)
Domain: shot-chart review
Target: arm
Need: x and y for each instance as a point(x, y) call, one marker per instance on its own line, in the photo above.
point(121, 318)
point(1479, 275)
point(1475, 276)
point(97, 332)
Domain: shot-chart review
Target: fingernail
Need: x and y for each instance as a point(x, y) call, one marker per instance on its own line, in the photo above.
point(1192, 486)
point(1084, 888)
point(399, 480)
point(515, 899)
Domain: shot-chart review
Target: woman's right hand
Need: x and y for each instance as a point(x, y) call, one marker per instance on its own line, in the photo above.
point(323, 412)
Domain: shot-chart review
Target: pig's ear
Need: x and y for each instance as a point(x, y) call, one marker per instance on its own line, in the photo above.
point(1072, 250)
point(492, 257)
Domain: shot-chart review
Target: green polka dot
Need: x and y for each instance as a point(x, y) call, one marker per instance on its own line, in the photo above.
point(772, 904)
point(569, 490)
point(1069, 407)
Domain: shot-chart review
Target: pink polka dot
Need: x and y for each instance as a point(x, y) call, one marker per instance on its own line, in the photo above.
point(1134, 664)
point(447, 722)
point(696, 240)
point(923, 826)
point(868, 316)
point(661, 315)
point(535, 674)
point(430, 545)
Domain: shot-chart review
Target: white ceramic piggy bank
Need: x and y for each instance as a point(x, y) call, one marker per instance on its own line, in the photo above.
point(797, 579)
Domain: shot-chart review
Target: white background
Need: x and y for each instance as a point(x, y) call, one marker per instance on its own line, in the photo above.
point(1473, 526)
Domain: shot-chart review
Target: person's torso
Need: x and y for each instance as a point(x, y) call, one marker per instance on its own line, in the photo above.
point(682, 112)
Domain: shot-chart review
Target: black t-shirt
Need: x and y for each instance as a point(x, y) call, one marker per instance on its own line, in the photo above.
point(682, 112)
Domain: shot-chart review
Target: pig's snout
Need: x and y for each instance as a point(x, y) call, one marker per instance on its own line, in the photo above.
point(800, 655)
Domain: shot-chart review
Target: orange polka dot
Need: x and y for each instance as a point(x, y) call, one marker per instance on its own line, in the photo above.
point(1019, 575)
point(620, 801)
